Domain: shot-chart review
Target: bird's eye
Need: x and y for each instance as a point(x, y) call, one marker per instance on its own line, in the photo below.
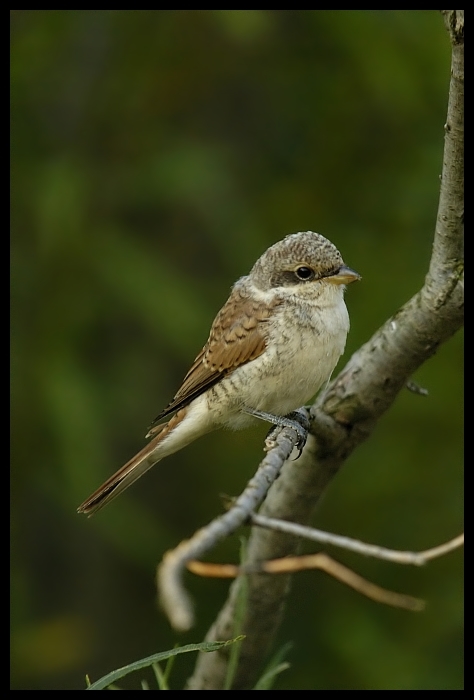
point(304, 273)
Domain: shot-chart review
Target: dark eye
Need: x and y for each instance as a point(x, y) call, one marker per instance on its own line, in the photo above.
point(304, 273)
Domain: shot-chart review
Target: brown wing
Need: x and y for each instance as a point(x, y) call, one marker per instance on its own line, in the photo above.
point(237, 336)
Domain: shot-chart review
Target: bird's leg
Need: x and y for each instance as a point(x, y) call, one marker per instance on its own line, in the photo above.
point(297, 420)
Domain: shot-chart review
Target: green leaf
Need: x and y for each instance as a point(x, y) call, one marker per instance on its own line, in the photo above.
point(265, 682)
point(274, 667)
point(160, 677)
point(155, 658)
point(239, 615)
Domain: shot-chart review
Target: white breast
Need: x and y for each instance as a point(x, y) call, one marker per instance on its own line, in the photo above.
point(306, 340)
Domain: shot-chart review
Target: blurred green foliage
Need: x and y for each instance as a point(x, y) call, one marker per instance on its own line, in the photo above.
point(155, 155)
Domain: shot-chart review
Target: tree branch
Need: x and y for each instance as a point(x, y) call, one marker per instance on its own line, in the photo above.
point(173, 596)
point(347, 413)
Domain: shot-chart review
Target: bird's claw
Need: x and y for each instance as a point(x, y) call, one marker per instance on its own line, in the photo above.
point(300, 424)
point(296, 420)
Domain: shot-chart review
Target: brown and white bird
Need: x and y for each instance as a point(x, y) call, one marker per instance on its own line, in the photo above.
point(272, 346)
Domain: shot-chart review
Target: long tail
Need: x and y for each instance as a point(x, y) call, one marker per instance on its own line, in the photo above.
point(133, 469)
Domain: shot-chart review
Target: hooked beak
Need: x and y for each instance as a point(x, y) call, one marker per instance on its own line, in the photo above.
point(344, 276)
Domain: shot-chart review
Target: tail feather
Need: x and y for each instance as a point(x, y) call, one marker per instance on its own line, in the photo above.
point(132, 470)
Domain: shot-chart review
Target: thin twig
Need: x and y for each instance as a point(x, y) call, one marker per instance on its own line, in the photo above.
point(174, 598)
point(416, 388)
point(305, 562)
point(368, 550)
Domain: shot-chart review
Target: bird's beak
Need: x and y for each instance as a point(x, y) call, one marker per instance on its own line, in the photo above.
point(344, 276)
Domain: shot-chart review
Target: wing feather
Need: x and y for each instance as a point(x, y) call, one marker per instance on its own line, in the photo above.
point(238, 335)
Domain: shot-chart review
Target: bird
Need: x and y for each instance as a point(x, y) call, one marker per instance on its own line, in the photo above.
point(272, 346)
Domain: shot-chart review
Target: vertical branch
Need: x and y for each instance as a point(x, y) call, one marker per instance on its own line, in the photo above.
point(448, 244)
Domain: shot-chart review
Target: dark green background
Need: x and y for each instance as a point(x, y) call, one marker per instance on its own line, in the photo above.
point(155, 155)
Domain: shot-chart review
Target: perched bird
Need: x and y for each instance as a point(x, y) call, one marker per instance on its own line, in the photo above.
point(272, 346)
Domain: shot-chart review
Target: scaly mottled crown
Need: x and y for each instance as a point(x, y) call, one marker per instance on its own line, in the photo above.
point(305, 249)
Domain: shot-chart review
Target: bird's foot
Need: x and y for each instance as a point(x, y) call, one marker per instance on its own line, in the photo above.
point(297, 420)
